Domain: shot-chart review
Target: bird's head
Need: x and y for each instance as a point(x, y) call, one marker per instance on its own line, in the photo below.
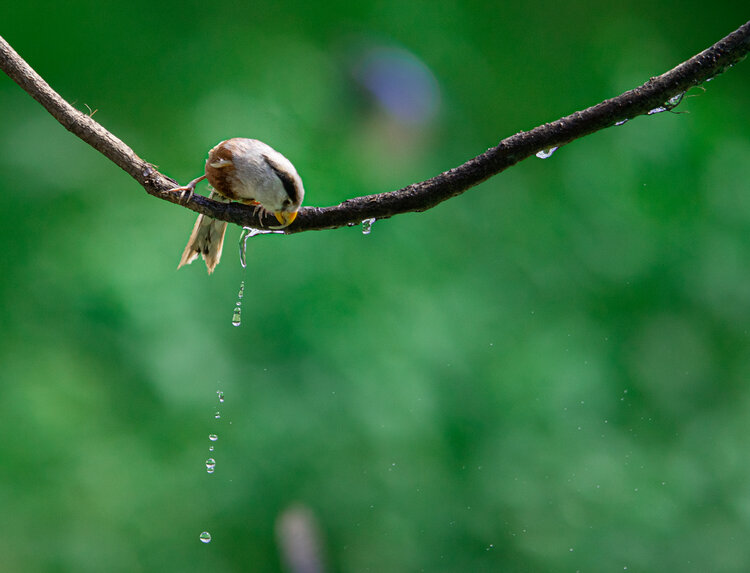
point(289, 192)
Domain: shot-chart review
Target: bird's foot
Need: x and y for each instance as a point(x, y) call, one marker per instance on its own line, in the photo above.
point(189, 189)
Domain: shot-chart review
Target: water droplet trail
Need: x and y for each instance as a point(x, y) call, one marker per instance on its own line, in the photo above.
point(237, 312)
point(246, 233)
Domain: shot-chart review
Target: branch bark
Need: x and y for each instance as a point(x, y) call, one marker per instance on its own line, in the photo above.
point(655, 93)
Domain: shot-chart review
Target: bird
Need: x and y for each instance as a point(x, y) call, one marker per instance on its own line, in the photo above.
point(248, 171)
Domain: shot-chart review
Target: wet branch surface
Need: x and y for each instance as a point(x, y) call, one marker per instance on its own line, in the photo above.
point(655, 93)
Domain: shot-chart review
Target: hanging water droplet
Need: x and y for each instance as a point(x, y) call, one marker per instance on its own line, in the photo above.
point(669, 105)
point(675, 100)
point(205, 537)
point(210, 465)
point(213, 437)
point(621, 122)
point(244, 236)
point(546, 153)
point(220, 394)
point(367, 226)
point(246, 233)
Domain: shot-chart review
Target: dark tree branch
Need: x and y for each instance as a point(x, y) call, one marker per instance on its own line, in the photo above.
point(416, 197)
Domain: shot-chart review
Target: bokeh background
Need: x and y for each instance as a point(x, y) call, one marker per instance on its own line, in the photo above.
point(548, 373)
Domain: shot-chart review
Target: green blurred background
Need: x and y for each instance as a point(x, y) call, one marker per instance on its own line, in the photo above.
point(548, 373)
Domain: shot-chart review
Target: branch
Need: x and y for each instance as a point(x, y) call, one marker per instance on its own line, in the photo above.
point(655, 93)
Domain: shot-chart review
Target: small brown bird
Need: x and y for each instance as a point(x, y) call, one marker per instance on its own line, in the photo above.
point(248, 171)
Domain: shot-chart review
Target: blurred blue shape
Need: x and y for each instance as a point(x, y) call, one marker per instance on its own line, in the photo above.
point(400, 83)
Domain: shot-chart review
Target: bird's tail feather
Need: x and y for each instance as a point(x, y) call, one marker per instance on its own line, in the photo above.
point(207, 239)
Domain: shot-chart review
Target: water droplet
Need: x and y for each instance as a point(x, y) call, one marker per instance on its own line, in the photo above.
point(237, 312)
point(210, 465)
point(211, 448)
point(367, 226)
point(220, 394)
point(546, 153)
point(205, 537)
point(675, 100)
point(621, 122)
point(670, 104)
point(217, 415)
point(246, 233)
point(213, 437)
point(237, 315)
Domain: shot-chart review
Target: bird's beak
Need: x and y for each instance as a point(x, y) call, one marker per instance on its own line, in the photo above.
point(285, 217)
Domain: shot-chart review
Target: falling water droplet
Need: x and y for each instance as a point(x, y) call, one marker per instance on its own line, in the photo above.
point(367, 226)
point(205, 537)
point(546, 153)
point(213, 437)
point(237, 315)
point(211, 448)
point(220, 394)
point(210, 465)
point(217, 415)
